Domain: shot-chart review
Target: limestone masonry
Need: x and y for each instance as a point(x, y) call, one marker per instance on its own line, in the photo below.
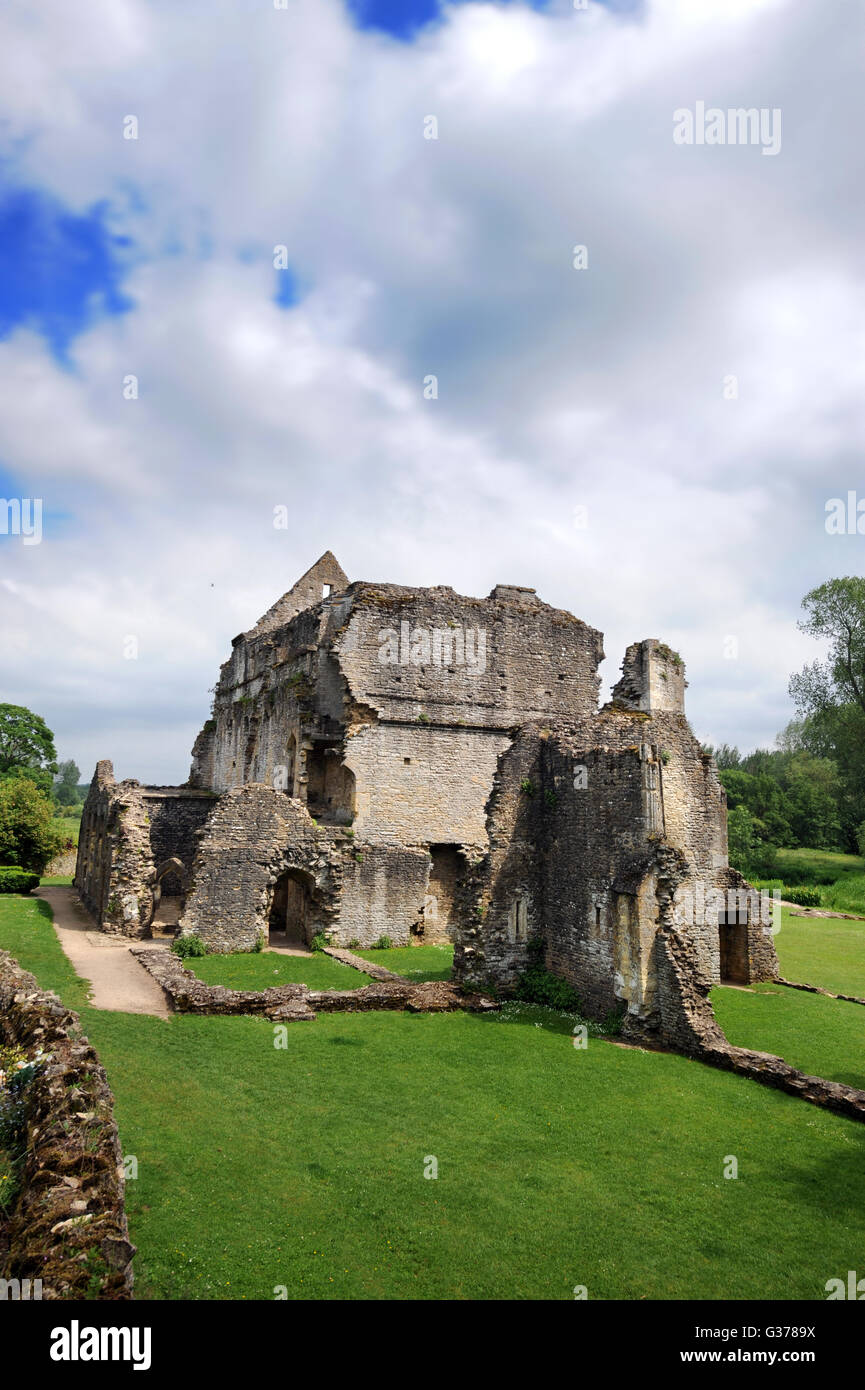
point(412, 763)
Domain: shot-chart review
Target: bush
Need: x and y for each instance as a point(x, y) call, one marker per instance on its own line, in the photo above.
point(14, 880)
point(185, 946)
point(319, 941)
point(537, 986)
point(29, 837)
point(803, 897)
point(384, 943)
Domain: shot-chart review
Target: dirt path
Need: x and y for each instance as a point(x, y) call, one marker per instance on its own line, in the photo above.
point(117, 980)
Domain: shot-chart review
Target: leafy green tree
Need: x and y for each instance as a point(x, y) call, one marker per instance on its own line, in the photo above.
point(29, 837)
point(741, 837)
point(725, 756)
point(26, 746)
point(66, 783)
point(835, 613)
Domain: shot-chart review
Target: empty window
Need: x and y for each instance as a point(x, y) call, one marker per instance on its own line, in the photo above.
point(518, 920)
point(325, 590)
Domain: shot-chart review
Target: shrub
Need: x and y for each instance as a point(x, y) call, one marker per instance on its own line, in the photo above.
point(803, 897)
point(527, 786)
point(537, 986)
point(29, 837)
point(384, 943)
point(354, 944)
point(185, 946)
point(14, 880)
point(319, 941)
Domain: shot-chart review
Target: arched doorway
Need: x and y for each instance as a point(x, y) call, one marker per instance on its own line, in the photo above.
point(289, 917)
point(169, 897)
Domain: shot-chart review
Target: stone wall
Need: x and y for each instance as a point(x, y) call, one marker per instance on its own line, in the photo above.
point(128, 832)
point(68, 1226)
point(382, 894)
point(607, 835)
point(253, 836)
point(115, 872)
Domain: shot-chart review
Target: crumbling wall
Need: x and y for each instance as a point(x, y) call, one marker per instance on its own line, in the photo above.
point(68, 1225)
point(177, 817)
point(115, 871)
point(253, 836)
point(498, 906)
point(608, 839)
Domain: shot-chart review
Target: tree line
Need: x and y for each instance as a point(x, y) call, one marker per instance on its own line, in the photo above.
point(35, 790)
point(810, 789)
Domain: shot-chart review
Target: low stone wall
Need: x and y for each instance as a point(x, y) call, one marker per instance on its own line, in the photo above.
point(68, 1226)
point(689, 1026)
point(817, 989)
point(376, 972)
point(774, 1071)
point(187, 994)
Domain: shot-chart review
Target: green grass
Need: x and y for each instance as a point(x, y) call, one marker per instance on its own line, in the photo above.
point(414, 962)
point(70, 826)
point(817, 865)
point(820, 1036)
point(840, 878)
point(302, 1167)
point(266, 969)
point(824, 951)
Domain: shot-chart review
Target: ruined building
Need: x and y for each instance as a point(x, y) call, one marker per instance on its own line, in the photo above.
point(412, 763)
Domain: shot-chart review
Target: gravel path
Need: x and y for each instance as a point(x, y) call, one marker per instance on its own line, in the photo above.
point(116, 979)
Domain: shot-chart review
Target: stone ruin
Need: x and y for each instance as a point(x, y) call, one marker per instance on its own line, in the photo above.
point(416, 764)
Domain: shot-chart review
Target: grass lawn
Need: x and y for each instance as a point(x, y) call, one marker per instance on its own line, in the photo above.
point(824, 951)
point(820, 1036)
point(303, 1167)
point(840, 877)
point(69, 825)
point(414, 962)
point(265, 969)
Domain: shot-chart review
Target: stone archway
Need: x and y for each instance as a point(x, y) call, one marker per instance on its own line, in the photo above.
point(169, 897)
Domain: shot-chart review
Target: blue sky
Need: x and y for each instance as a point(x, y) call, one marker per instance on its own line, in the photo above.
point(58, 269)
point(151, 262)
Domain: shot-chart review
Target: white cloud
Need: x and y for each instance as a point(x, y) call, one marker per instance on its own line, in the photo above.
point(557, 388)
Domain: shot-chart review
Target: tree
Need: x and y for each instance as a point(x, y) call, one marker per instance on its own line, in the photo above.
point(26, 746)
point(835, 612)
point(724, 755)
point(66, 783)
point(29, 836)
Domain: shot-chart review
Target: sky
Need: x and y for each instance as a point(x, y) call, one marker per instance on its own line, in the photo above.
point(232, 257)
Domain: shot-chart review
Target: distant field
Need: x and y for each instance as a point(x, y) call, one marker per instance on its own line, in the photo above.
point(69, 826)
point(840, 878)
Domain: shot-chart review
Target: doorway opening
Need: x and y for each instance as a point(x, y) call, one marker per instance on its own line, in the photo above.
point(169, 898)
point(733, 943)
point(289, 916)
